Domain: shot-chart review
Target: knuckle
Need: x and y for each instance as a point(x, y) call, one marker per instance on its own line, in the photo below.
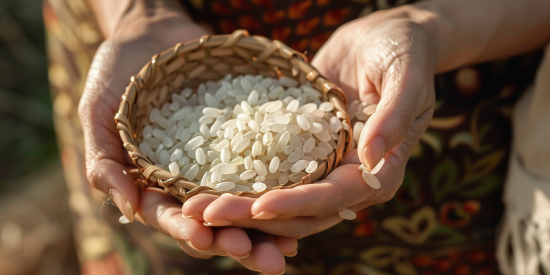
point(408, 146)
point(403, 124)
point(297, 232)
point(398, 129)
point(339, 199)
point(95, 173)
point(387, 63)
point(324, 209)
point(390, 55)
point(91, 175)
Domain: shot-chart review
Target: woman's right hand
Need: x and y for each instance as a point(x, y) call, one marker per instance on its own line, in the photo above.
point(133, 41)
point(387, 59)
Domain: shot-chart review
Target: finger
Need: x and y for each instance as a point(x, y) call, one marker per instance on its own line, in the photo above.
point(265, 255)
point(351, 158)
point(402, 100)
point(193, 252)
point(160, 211)
point(229, 241)
point(232, 242)
point(287, 246)
point(111, 178)
point(195, 205)
point(227, 209)
point(235, 211)
point(262, 254)
point(342, 188)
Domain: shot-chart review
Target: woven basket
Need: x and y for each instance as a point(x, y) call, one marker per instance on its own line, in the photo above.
point(211, 58)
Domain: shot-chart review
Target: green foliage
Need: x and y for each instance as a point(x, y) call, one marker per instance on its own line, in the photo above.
point(445, 235)
point(27, 137)
point(443, 178)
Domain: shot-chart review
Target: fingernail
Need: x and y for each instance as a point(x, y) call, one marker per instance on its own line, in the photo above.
point(280, 273)
point(219, 222)
point(374, 152)
point(292, 254)
point(362, 138)
point(122, 204)
point(363, 166)
point(378, 166)
point(266, 215)
point(195, 216)
point(237, 257)
point(192, 246)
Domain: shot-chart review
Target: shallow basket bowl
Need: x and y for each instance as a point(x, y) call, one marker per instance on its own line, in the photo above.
point(211, 58)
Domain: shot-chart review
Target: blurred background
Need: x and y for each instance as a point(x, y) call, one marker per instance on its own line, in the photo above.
point(35, 224)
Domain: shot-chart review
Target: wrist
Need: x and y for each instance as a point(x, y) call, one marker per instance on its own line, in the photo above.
point(139, 22)
point(494, 29)
point(116, 18)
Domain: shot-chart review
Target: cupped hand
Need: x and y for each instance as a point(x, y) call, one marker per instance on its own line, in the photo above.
point(116, 60)
point(253, 249)
point(386, 58)
point(134, 42)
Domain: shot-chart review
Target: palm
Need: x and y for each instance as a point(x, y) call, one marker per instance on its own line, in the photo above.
point(114, 63)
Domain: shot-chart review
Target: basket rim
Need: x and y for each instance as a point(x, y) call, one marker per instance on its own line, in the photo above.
point(148, 76)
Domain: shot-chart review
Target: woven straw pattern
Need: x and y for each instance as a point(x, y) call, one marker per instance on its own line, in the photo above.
point(211, 58)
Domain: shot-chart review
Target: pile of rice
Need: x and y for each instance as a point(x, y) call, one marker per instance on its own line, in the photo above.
point(246, 133)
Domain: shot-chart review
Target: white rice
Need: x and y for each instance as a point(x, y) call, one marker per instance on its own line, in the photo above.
point(347, 214)
point(247, 133)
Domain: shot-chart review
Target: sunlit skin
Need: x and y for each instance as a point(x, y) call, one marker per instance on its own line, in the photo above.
point(388, 57)
point(373, 59)
point(134, 41)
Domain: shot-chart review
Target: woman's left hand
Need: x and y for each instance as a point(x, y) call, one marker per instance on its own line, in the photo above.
point(387, 58)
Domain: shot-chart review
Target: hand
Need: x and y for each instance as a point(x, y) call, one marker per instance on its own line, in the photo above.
point(134, 42)
point(116, 60)
point(385, 58)
point(253, 249)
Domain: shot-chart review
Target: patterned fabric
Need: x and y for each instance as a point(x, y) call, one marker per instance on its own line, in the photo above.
point(303, 25)
point(443, 220)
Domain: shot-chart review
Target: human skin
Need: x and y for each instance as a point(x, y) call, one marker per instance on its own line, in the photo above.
point(134, 32)
point(388, 57)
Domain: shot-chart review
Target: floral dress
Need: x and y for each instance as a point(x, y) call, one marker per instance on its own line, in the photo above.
point(443, 220)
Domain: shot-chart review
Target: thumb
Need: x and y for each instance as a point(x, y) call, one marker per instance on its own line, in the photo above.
point(404, 96)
